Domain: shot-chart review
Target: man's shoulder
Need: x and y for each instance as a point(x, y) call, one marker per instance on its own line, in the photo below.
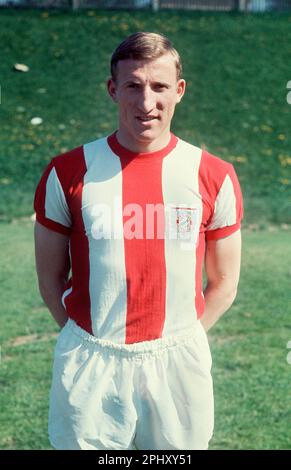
point(213, 164)
point(77, 154)
point(213, 171)
point(208, 162)
point(71, 166)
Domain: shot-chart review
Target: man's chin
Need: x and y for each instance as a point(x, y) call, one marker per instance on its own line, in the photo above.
point(147, 136)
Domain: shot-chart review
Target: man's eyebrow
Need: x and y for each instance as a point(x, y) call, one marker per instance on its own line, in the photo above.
point(162, 84)
point(138, 82)
point(132, 80)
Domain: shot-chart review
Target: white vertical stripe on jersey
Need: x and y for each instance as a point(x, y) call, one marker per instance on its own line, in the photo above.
point(56, 207)
point(181, 188)
point(107, 285)
point(225, 206)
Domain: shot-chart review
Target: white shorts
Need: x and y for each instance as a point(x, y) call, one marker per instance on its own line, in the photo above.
point(153, 395)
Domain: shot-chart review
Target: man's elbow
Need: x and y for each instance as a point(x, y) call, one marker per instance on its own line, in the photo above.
point(225, 291)
point(44, 288)
point(230, 296)
point(50, 286)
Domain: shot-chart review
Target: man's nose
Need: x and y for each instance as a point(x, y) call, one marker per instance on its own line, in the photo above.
point(146, 100)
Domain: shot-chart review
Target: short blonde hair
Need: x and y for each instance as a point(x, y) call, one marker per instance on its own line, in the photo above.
point(144, 46)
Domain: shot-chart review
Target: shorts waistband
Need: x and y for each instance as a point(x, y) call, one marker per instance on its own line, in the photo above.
point(143, 348)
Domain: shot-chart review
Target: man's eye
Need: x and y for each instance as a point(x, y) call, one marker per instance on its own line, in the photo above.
point(133, 85)
point(160, 87)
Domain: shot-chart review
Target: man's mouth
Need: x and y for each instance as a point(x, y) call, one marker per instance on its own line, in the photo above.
point(146, 118)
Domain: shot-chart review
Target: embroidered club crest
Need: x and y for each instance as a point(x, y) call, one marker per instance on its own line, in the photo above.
point(184, 224)
point(184, 221)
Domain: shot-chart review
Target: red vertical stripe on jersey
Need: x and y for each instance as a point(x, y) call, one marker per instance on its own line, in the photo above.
point(238, 195)
point(199, 298)
point(208, 194)
point(77, 302)
point(40, 195)
point(144, 258)
point(212, 174)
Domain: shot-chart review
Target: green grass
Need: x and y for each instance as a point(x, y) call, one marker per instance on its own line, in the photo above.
point(251, 374)
point(25, 368)
point(236, 66)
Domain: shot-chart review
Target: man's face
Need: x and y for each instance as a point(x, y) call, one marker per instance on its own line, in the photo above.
point(147, 93)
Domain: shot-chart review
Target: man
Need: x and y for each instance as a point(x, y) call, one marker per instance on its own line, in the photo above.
point(134, 216)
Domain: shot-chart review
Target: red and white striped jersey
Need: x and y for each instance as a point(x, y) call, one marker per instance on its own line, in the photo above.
point(138, 224)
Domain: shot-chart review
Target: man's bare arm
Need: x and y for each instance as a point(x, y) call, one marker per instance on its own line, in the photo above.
point(52, 266)
point(222, 266)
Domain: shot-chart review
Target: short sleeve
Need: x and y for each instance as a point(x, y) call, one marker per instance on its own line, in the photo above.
point(228, 208)
point(50, 202)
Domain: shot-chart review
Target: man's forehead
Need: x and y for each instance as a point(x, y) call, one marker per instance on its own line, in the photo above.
point(162, 67)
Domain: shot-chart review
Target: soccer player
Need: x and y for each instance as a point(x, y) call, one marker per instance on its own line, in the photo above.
point(124, 225)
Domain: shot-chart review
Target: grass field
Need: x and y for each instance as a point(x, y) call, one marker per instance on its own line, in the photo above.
point(236, 66)
point(249, 346)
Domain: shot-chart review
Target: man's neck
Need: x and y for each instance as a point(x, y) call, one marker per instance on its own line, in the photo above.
point(143, 146)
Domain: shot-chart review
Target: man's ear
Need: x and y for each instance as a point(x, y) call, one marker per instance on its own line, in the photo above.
point(111, 87)
point(181, 87)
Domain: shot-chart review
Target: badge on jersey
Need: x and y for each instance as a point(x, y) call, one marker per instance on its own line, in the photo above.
point(184, 224)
